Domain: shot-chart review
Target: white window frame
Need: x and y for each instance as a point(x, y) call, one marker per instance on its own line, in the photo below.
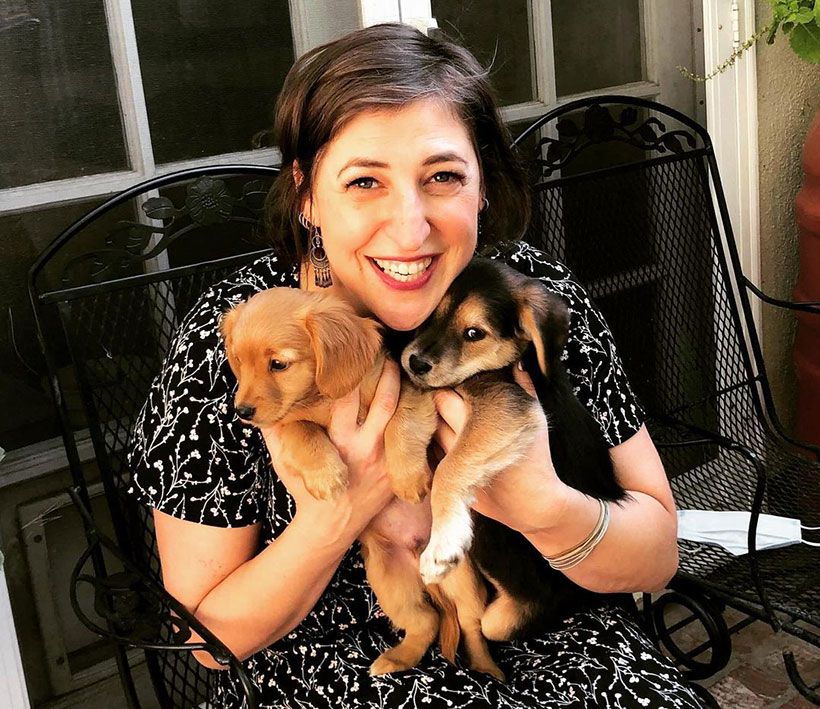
point(128, 79)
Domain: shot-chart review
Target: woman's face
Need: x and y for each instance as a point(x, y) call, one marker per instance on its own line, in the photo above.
point(397, 195)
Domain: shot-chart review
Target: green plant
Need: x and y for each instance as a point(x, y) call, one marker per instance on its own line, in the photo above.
point(798, 19)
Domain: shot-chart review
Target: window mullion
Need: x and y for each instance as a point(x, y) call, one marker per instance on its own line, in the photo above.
point(125, 55)
point(542, 51)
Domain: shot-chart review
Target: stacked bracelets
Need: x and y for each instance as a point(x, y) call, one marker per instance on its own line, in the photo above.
point(577, 554)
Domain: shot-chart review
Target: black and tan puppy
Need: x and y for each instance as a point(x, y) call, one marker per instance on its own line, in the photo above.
point(490, 317)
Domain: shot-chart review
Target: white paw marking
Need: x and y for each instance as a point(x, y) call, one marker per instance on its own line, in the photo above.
point(448, 546)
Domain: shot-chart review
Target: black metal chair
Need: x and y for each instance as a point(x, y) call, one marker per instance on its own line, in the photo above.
point(626, 192)
point(107, 295)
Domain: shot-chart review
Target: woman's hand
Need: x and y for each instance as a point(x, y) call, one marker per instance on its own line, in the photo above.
point(361, 447)
point(527, 496)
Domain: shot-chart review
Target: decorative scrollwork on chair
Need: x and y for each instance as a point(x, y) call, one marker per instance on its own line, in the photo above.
point(208, 201)
point(597, 125)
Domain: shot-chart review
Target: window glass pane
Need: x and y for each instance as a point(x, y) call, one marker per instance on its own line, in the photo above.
point(211, 72)
point(597, 44)
point(58, 102)
point(498, 33)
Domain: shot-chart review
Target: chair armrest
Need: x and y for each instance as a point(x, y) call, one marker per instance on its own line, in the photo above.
point(806, 306)
point(137, 610)
point(690, 435)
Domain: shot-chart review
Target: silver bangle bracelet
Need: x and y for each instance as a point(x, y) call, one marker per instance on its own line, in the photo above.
point(574, 556)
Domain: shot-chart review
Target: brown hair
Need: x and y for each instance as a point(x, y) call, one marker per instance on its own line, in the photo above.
point(388, 66)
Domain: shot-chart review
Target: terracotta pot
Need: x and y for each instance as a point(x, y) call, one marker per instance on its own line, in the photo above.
point(807, 341)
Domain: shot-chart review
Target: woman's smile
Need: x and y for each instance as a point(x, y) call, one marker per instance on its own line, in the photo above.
point(404, 274)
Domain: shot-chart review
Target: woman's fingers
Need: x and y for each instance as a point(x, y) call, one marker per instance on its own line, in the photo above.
point(445, 436)
point(273, 440)
point(385, 400)
point(344, 416)
point(454, 412)
point(523, 380)
point(452, 408)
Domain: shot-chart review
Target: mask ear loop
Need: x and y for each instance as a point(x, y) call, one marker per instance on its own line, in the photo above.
point(810, 529)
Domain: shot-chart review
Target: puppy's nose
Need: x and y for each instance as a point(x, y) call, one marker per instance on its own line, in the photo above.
point(245, 412)
point(419, 365)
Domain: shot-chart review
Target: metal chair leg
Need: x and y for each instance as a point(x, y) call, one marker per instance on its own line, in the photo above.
point(799, 683)
point(126, 678)
point(710, 617)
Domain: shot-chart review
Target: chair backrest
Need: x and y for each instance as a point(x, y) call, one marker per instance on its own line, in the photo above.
point(623, 194)
point(108, 295)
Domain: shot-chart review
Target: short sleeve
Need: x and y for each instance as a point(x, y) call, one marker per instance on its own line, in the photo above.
point(189, 455)
point(594, 368)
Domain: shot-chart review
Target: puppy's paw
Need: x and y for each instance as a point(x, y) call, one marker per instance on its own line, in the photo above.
point(411, 487)
point(390, 661)
point(447, 548)
point(327, 484)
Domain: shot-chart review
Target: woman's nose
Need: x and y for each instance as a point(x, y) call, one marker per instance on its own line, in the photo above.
point(408, 225)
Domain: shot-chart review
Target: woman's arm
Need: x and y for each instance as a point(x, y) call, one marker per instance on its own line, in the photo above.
point(639, 551)
point(248, 599)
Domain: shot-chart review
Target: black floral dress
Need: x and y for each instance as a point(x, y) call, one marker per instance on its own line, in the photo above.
point(192, 458)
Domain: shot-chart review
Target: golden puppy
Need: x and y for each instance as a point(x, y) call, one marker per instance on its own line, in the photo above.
point(293, 353)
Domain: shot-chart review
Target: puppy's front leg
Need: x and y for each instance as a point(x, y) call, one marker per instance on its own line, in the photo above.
point(406, 439)
point(307, 449)
point(485, 447)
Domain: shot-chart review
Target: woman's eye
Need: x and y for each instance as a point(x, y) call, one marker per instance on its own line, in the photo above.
point(445, 178)
point(363, 183)
point(277, 365)
point(473, 334)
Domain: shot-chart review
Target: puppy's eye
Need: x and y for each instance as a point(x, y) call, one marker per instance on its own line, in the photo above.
point(277, 365)
point(473, 334)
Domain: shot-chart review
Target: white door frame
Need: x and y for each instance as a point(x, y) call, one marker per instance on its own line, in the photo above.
point(13, 691)
point(731, 110)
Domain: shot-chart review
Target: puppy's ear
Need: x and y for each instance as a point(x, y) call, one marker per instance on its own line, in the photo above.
point(345, 346)
point(543, 318)
point(226, 327)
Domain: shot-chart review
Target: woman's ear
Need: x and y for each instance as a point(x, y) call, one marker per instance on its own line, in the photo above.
point(296, 171)
point(345, 346)
point(543, 318)
point(306, 207)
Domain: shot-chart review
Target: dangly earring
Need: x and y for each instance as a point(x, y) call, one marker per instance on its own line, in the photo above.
point(317, 254)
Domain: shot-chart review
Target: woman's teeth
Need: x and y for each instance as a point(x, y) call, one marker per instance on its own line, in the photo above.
point(404, 271)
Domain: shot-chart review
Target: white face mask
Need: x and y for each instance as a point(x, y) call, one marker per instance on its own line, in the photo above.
point(730, 530)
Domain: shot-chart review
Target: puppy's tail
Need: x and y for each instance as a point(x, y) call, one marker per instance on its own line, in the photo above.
point(449, 634)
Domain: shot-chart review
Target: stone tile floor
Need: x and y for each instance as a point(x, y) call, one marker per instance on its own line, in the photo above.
point(755, 677)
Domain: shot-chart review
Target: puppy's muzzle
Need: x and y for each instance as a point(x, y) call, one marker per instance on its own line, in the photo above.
point(245, 412)
point(418, 365)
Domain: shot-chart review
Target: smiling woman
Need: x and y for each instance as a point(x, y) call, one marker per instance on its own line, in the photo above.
point(397, 160)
